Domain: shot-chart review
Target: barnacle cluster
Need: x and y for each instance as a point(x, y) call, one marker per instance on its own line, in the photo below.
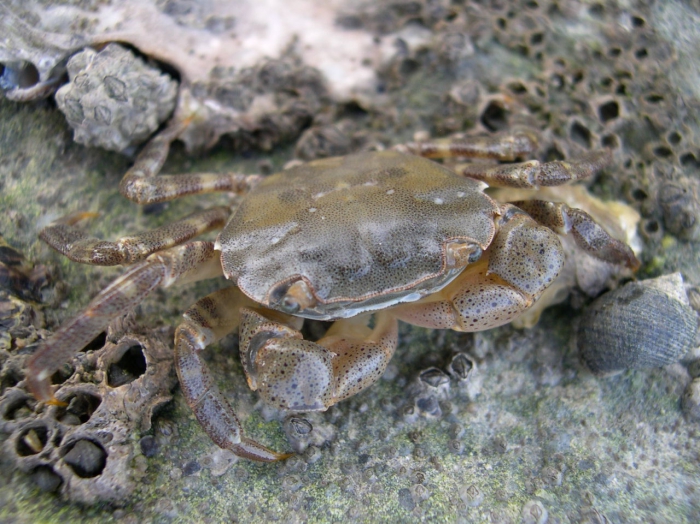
point(611, 89)
point(114, 99)
point(283, 94)
point(83, 447)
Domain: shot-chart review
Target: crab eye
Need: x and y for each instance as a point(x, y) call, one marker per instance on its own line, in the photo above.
point(289, 305)
point(461, 254)
point(292, 298)
point(475, 255)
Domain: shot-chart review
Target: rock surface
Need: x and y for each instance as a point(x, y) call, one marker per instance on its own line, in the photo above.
point(530, 435)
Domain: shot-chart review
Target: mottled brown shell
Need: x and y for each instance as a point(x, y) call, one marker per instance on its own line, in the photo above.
point(363, 231)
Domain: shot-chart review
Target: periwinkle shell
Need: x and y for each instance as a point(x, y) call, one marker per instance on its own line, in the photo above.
point(638, 326)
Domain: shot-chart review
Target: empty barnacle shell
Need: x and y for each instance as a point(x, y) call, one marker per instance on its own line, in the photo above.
point(640, 325)
point(679, 204)
point(434, 378)
point(309, 430)
point(431, 382)
point(461, 367)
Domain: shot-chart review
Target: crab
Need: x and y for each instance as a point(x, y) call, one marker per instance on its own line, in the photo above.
point(363, 240)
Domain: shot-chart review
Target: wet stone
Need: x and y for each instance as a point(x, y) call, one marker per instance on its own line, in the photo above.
point(191, 467)
point(585, 465)
point(406, 499)
point(149, 446)
point(500, 444)
point(46, 479)
point(86, 459)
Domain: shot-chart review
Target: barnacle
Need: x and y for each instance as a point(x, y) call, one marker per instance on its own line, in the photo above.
point(114, 99)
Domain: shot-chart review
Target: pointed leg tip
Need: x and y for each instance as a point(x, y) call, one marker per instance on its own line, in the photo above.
point(73, 218)
point(251, 450)
point(53, 401)
point(87, 214)
point(633, 262)
point(41, 390)
point(272, 456)
point(622, 254)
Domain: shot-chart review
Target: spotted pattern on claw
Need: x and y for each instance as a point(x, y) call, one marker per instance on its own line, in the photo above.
point(295, 374)
point(474, 301)
point(525, 255)
point(487, 305)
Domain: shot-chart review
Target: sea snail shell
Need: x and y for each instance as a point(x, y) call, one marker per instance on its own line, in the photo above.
point(638, 326)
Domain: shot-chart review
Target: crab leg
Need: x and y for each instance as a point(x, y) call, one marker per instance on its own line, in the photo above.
point(588, 234)
point(522, 261)
point(141, 185)
point(78, 246)
point(186, 263)
point(210, 319)
point(506, 147)
point(534, 174)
